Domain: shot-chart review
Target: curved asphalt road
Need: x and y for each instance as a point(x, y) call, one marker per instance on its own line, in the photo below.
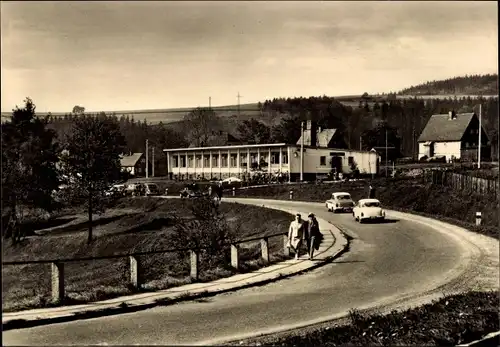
point(385, 261)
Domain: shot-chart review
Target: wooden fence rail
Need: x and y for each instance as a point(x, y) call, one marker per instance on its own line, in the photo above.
point(461, 182)
point(135, 270)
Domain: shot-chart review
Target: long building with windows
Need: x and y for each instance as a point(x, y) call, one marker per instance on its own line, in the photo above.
point(239, 161)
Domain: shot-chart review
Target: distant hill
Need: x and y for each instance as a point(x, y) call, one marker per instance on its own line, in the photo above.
point(465, 85)
point(171, 115)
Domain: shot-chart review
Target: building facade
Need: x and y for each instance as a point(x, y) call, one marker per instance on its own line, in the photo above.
point(221, 162)
point(455, 137)
point(135, 164)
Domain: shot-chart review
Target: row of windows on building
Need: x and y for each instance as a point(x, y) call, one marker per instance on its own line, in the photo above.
point(191, 161)
point(322, 160)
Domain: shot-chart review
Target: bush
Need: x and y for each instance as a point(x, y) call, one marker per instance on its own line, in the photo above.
point(209, 232)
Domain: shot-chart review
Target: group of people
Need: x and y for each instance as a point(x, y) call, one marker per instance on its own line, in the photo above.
point(305, 233)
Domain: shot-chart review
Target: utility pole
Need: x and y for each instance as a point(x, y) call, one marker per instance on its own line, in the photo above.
point(301, 151)
point(386, 156)
point(479, 144)
point(153, 162)
point(360, 143)
point(210, 102)
point(238, 96)
point(147, 158)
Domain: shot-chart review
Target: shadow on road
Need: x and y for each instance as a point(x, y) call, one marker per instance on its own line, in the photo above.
point(385, 221)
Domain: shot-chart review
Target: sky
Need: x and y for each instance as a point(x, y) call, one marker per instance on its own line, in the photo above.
point(150, 55)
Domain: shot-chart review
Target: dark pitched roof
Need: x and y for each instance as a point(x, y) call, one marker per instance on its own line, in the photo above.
point(130, 160)
point(322, 139)
point(441, 128)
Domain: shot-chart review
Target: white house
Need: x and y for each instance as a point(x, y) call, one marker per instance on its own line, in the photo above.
point(225, 161)
point(454, 136)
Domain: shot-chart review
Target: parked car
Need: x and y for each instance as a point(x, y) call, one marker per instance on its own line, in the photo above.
point(368, 209)
point(340, 201)
point(135, 189)
point(151, 189)
point(191, 191)
point(230, 180)
point(117, 190)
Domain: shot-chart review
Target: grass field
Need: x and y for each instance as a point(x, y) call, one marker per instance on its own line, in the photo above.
point(450, 321)
point(133, 225)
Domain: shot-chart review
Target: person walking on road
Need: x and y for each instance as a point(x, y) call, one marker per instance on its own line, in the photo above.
point(296, 234)
point(313, 235)
point(371, 194)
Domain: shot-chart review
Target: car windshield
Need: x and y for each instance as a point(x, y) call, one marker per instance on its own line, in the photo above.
point(372, 204)
point(344, 197)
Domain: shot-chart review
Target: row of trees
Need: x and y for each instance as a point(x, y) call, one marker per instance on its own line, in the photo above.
point(35, 161)
point(465, 85)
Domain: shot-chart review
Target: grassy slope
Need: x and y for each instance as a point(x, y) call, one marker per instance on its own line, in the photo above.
point(29, 285)
point(450, 321)
point(403, 194)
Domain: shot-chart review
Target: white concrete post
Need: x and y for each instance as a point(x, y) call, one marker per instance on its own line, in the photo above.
point(291, 194)
point(234, 256)
point(286, 250)
point(234, 191)
point(194, 260)
point(57, 272)
point(134, 272)
point(264, 248)
point(478, 218)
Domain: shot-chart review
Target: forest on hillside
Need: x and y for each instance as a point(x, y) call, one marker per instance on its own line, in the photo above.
point(463, 85)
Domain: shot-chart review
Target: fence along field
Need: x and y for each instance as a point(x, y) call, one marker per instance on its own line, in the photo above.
point(461, 182)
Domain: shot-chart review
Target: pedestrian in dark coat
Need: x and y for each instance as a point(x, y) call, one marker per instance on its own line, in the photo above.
point(371, 195)
point(313, 235)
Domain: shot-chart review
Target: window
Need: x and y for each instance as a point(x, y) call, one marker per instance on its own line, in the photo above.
point(234, 160)
point(285, 158)
point(223, 160)
point(190, 161)
point(350, 160)
point(466, 145)
point(206, 161)
point(198, 161)
point(183, 160)
point(275, 158)
point(322, 161)
point(175, 161)
point(215, 160)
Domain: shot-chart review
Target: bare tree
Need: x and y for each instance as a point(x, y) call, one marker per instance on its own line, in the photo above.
point(200, 123)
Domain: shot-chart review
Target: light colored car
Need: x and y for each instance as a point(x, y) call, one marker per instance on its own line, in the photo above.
point(340, 201)
point(368, 209)
point(116, 190)
point(231, 180)
point(151, 189)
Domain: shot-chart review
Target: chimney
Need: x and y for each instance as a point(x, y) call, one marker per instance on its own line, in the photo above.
point(314, 133)
point(452, 115)
point(308, 125)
